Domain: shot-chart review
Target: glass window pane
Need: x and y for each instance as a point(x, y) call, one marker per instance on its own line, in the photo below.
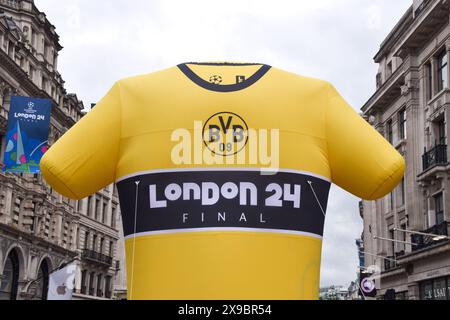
point(442, 71)
point(426, 292)
point(440, 289)
point(448, 288)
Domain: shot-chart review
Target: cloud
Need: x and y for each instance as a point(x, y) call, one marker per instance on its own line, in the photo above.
point(330, 39)
point(374, 15)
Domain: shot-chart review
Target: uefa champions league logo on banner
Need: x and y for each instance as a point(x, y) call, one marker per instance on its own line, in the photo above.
point(30, 108)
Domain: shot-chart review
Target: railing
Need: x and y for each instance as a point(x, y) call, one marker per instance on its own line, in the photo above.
point(434, 157)
point(97, 257)
point(400, 253)
point(99, 293)
point(108, 294)
point(426, 241)
point(91, 291)
point(390, 264)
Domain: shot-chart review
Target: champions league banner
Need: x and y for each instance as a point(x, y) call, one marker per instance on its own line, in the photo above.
point(27, 134)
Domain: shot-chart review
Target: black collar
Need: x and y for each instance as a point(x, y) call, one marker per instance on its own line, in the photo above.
point(223, 88)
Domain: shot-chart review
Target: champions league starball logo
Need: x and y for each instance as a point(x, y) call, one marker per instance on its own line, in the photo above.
point(225, 138)
point(30, 108)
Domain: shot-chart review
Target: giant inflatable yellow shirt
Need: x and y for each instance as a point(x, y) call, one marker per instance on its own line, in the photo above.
point(223, 172)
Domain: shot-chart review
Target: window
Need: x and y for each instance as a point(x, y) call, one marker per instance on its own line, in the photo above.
point(442, 71)
point(391, 200)
point(105, 207)
point(86, 240)
point(435, 289)
point(43, 275)
point(10, 278)
point(102, 241)
point(441, 133)
point(426, 291)
point(389, 135)
point(94, 243)
point(439, 208)
point(83, 282)
point(113, 217)
point(91, 283)
point(392, 236)
point(402, 124)
point(44, 85)
point(108, 287)
point(97, 209)
point(111, 248)
point(429, 81)
point(99, 286)
point(403, 234)
point(439, 289)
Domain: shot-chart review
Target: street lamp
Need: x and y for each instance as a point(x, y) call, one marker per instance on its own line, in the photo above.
point(434, 237)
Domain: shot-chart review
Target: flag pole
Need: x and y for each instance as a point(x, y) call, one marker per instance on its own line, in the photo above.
point(54, 270)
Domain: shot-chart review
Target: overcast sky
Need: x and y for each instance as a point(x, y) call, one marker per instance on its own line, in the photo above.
point(334, 40)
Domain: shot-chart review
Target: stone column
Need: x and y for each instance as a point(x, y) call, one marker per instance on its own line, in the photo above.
point(413, 291)
point(415, 145)
point(58, 225)
point(78, 283)
point(74, 240)
point(6, 217)
point(27, 213)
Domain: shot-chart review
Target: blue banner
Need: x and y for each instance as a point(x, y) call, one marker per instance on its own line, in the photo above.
point(27, 134)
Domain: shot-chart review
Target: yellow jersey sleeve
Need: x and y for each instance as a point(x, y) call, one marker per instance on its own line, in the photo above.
point(84, 159)
point(361, 160)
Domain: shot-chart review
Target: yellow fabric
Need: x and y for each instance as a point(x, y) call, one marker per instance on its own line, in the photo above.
point(130, 129)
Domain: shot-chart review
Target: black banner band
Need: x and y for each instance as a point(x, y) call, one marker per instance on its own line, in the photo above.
point(196, 200)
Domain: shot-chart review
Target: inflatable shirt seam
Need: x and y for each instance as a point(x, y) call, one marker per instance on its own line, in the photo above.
point(63, 183)
point(379, 187)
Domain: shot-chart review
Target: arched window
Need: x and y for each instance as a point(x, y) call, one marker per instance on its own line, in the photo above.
point(42, 287)
point(10, 279)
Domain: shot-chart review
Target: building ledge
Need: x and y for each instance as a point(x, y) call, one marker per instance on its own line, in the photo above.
point(393, 272)
point(433, 172)
point(443, 247)
point(389, 91)
point(79, 296)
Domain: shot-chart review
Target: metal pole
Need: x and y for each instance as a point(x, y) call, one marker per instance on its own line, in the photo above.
point(424, 234)
point(50, 272)
point(393, 240)
point(374, 255)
